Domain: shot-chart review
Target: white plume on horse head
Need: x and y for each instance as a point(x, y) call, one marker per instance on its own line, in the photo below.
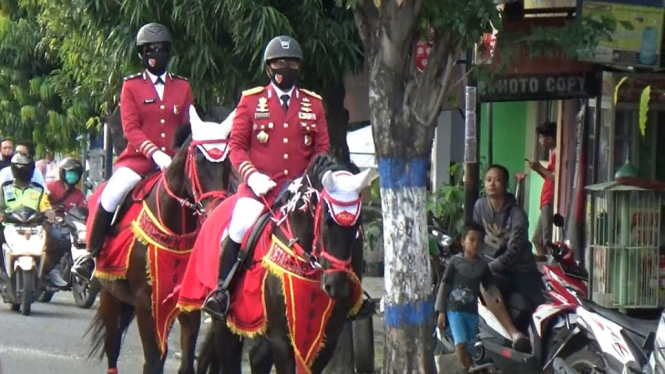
point(211, 135)
point(345, 182)
point(205, 130)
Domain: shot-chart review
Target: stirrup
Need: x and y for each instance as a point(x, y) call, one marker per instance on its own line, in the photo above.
point(214, 314)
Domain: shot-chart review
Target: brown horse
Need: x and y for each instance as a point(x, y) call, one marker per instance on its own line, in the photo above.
point(312, 252)
point(175, 207)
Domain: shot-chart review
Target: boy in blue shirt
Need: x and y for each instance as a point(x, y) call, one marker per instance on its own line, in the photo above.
point(457, 299)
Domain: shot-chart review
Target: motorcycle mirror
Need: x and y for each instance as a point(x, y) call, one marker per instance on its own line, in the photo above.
point(558, 220)
point(87, 185)
point(446, 241)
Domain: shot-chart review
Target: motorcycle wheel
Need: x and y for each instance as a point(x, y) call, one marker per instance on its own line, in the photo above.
point(28, 278)
point(45, 297)
point(587, 362)
point(85, 293)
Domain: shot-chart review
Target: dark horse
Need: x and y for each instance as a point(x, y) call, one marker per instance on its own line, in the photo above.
point(193, 183)
point(319, 219)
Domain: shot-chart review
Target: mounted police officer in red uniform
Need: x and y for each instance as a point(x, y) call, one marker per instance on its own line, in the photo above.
point(277, 131)
point(153, 104)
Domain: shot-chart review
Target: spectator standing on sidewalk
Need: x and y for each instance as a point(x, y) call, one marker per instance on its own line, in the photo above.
point(543, 234)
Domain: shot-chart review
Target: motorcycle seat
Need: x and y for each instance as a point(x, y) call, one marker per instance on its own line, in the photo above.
point(641, 327)
point(575, 271)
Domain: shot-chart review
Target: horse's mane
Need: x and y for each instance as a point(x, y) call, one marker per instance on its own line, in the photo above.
point(322, 163)
point(182, 134)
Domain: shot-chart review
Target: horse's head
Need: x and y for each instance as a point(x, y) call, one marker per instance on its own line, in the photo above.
point(322, 216)
point(203, 157)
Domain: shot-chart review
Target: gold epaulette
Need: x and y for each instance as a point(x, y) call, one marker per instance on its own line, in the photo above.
point(253, 91)
point(133, 76)
point(179, 77)
point(312, 94)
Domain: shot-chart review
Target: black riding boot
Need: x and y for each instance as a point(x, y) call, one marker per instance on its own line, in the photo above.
point(217, 302)
point(100, 228)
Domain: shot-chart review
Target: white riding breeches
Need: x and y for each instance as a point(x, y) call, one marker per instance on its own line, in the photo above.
point(121, 182)
point(245, 214)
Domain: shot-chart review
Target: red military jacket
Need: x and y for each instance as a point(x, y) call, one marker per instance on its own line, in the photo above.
point(149, 123)
point(279, 144)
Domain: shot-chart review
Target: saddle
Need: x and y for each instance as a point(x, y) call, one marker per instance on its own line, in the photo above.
point(139, 193)
point(254, 234)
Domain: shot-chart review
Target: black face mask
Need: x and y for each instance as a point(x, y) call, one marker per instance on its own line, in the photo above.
point(284, 78)
point(156, 61)
point(23, 174)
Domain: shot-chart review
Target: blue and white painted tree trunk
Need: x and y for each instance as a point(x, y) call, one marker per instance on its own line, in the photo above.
point(408, 299)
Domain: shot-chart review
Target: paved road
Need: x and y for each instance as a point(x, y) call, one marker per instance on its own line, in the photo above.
point(50, 340)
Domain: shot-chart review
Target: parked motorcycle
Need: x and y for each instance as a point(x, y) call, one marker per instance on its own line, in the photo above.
point(85, 293)
point(591, 360)
point(24, 254)
point(608, 341)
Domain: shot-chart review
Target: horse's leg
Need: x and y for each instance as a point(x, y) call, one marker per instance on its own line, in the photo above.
point(190, 323)
point(154, 361)
point(116, 317)
point(228, 347)
point(283, 355)
point(260, 357)
point(323, 358)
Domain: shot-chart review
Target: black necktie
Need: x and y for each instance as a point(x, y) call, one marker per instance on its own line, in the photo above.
point(285, 102)
point(159, 81)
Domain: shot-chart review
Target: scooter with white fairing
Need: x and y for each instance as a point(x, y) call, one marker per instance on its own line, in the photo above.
point(607, 341)
point(24, 255)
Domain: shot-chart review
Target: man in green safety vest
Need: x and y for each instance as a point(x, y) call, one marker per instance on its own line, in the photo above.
point(21, 192)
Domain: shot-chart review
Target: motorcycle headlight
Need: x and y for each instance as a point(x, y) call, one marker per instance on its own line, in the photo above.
point(81, 236)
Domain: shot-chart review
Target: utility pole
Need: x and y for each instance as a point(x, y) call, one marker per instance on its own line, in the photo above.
point(108, 151)
point(471, 139)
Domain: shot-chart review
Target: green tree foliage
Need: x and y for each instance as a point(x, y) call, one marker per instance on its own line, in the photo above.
point(29, 102)
point(218, 45)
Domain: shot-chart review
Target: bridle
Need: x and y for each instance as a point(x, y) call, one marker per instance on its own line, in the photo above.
point(198, 196)
point(319, 250)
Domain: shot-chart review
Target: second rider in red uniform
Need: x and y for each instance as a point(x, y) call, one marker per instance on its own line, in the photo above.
point(277, 131)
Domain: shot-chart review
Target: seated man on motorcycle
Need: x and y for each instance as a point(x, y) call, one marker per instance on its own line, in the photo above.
point(63, 192)
point(21, 192)
point(508, 250)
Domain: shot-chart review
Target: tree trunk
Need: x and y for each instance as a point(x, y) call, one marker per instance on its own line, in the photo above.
point(342, 361)
point(403, 150)
point(338, 121)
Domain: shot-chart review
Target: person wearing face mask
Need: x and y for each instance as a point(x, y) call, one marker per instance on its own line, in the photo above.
point(22, 192)
point(153, 104)
point(63, 192)
point(277, 131)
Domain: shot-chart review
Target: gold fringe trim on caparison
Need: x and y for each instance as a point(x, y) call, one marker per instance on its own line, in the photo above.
point(279, 272)
point(148, 271)
point(109, 276)
point(261, 330)
point(187, 308)
point(355, 308)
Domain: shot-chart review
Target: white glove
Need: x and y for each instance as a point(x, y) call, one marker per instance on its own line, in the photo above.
point(161, 159)
point(260, 183)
